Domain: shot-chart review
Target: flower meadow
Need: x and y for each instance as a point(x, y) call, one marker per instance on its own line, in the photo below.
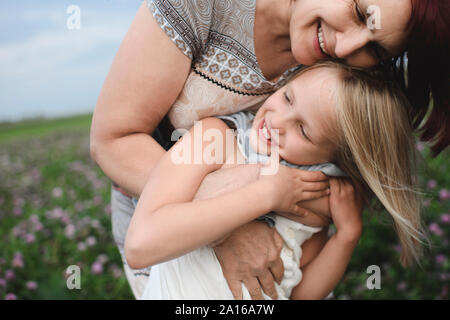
point(55, 212)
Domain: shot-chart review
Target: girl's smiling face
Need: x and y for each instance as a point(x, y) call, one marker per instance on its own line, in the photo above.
point(299, 119)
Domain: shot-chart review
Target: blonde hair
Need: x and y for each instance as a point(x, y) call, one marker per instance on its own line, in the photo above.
point(375, 147)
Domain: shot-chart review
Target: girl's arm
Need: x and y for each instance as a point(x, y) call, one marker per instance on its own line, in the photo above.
point(166, 214)
point(167, 223)
point(323, 273)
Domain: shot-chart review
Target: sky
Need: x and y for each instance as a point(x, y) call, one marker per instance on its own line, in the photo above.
point(48, 66)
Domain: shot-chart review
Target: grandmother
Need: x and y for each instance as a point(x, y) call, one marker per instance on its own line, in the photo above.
point(184, 60)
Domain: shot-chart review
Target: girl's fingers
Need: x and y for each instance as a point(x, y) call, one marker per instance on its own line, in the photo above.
point(310, 195)
point(315, 186)
point(312, 176)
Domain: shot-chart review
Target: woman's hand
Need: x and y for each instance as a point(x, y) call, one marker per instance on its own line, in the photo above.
point(251, 255)
point(289, 186)
point(346, 208)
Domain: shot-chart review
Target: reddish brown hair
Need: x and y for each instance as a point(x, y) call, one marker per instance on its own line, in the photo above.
point(428, 71)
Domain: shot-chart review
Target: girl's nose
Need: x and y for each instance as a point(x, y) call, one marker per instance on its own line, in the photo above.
point(279, 122)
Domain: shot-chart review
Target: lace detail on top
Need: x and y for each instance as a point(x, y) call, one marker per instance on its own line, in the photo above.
point(217, 35)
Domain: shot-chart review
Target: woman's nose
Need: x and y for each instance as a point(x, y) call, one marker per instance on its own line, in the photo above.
point(350, 43)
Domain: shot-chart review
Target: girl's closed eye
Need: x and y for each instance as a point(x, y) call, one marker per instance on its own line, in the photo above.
point(302, 130)
point(286, 97)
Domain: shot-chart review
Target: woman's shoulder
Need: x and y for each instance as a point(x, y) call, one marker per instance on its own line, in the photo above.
point(185, 22)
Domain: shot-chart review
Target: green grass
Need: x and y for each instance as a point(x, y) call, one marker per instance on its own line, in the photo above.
point(40, 127)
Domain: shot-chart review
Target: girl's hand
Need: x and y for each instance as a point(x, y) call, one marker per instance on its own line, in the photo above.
point(346, 208)
point(288, 186)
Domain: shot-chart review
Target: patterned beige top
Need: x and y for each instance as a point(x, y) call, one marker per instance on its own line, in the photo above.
point(218, 37)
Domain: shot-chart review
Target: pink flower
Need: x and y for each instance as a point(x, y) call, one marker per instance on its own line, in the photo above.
point(38, 226)
point(95, 224)
point(97, 200)
point(55, 213)
point(10, 296)
point(426, 203)
point(444, 194)
point(431, 184)
point(445, 218)
point(18, 202)
point(420, 146)
point(18, 260)
point(435, 229)
point(2, 283)
point(30, 238)
point(397, 247)
point(31, 285)
point(79, 206)
point(57, 192)
point(69, 231)
point(91, 241)
point(9, 274)
point(402, 286)
point(440, 259)
point(115, 270)
point(102, 258)
point(97, 267)
point(18, 230)
point(108, 209)
point(17, 211)
point(81, 246)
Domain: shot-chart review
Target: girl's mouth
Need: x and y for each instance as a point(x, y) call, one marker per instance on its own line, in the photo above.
point(264, 133)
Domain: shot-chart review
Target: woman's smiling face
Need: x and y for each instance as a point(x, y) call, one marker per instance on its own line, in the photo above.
point(299, 119)
point(344, 31)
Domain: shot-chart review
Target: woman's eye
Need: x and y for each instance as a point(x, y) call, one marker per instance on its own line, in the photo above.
point(359, 12)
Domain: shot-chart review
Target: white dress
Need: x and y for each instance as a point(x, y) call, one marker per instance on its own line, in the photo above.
point(198, 275)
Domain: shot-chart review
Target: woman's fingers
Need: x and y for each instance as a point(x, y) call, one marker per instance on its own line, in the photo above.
point(300, 211)
point(253, 287)
point(267, 283)
point(236, 288)
point(276, 264)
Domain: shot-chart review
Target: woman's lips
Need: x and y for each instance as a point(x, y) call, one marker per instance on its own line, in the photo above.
point(316, 45)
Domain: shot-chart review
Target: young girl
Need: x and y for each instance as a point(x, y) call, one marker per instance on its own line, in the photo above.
point(327, 114)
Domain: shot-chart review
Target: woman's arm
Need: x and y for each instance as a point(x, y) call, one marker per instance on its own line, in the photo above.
point(147, 75)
